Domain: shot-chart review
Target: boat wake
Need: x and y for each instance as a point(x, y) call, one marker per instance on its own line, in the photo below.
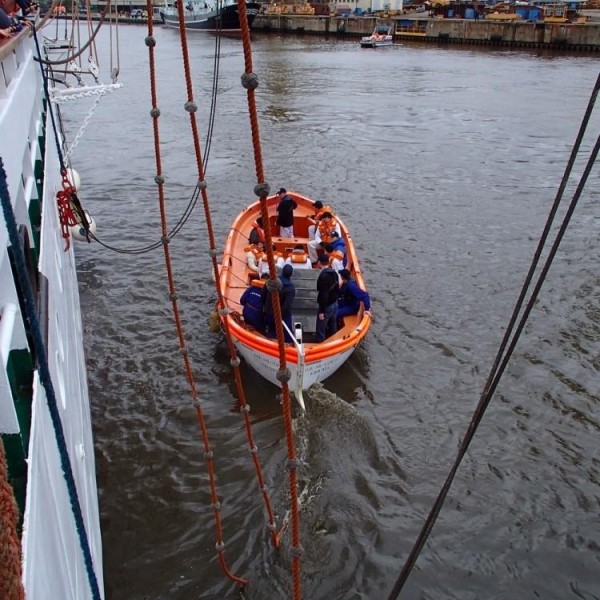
point(335, 446)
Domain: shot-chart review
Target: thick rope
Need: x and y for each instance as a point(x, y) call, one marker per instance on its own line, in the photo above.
point(284, 373)
point(502, 358)
point(11, 586)
point(234, 359)
point(46, 381)
point(208, 453)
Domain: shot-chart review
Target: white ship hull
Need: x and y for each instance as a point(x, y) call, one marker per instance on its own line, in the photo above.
point(53, 560)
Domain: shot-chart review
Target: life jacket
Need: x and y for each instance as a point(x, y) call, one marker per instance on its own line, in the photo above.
point(323, 210)
point(336, 254)
point(325, 230)
point(260, 231)
point(298, 257)
point(258, 253)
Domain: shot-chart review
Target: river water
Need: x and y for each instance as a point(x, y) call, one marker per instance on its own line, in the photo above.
point(444, 162)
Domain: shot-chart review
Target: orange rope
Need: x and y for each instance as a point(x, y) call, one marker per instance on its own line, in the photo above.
point(11, 586)
point(208, 454)
point(234, 359)
point(250, 82)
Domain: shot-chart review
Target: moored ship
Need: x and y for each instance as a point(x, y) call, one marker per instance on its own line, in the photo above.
point(208, 16)
point(45, 422)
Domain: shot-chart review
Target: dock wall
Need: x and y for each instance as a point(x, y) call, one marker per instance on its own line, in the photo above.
point(577, 37)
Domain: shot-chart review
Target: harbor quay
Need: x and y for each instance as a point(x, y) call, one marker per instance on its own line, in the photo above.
point(521, 34)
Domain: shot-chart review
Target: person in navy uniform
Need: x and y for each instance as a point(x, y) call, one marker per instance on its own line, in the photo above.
point(285, 214)
point(328, 288)
point(286, 299)
point(351, 296)
point(253, 302)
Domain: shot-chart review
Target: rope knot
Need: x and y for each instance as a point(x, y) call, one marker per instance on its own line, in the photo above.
point(274, 285)
point(202, 184)
point(165, 239)
point(155, 113)
point(212, 252)
point(159, 179)
point(173, 296)
point(235, 362)
point(292, 464)
point(296, 551)
point(220, 546)
point(245, 408)
point(254, 450)
point(250, 81)
point(150, 41)
point(262, 190)
point(284, 375)
point(191, 106)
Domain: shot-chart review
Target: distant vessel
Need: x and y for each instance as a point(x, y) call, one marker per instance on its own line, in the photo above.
point(209, 15)
point(45, 422)
point(381, 36)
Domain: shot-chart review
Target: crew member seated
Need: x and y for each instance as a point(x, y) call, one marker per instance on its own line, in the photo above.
point(351, 297)
point(263, 263)
point(254, 253)
point(323, 234)
point(253, 302)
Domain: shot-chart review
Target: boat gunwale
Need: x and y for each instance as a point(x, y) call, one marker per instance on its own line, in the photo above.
point(314, 351)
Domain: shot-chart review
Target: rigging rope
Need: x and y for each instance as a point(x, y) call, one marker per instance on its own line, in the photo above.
point(223, 310)
point(502, 358)
point(208, 453)
point(66, 209)
point(250, 83)
point(46, 381)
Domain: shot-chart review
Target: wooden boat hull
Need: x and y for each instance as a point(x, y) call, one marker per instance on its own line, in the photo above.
point(309, 362)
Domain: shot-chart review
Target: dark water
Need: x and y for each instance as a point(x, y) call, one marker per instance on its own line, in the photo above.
point(444, 163)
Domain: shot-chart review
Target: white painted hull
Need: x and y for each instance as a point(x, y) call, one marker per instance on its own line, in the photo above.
point(302, 379)
point(53, 564)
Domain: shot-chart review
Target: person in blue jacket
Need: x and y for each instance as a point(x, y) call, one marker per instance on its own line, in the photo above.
point(253, 302)
point(339, 243)
point(351, 296)
point(286, 299)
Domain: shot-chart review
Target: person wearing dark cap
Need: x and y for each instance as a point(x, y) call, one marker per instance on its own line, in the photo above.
point(285, 214)
point(286, 299)
point(351, 297)
point(319, 210)
point(326, 225)
point(328, 288)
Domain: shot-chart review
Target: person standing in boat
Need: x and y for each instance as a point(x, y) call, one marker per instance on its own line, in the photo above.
point(253, 304)
point(328, 289)
point(351, 297)
point(285, 214)
point(286, 299)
